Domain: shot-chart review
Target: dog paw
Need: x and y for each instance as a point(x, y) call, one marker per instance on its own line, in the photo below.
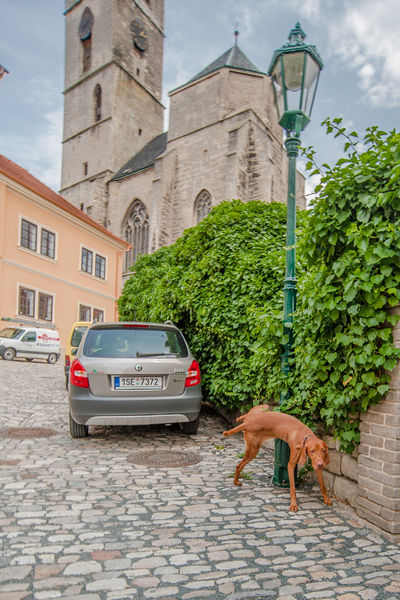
point(293, 508)
point(239, 483)
point(328, 501)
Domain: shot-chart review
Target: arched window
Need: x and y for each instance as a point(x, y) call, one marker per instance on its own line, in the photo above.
point(202, 206)
point(85, 34)
point(97, 102)
point(136, 231)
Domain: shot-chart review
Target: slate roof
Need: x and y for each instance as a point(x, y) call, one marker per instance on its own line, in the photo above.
point(233, 58)
point(144, 158)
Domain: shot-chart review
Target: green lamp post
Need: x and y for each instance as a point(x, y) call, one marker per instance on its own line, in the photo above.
point(294, 71)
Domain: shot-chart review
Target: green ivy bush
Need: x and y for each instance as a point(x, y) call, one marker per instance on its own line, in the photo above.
point(221, 284)
point(351, 245)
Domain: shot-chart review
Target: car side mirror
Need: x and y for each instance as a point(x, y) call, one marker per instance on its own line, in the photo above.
point(74, 351)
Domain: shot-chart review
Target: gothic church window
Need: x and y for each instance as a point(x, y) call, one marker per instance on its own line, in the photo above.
point(85, 34)
point(136, 232)
point(202, 206)
point(97, 103)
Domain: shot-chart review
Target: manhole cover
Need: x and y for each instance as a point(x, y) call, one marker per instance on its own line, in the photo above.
point(28, 432)
point(164, 459)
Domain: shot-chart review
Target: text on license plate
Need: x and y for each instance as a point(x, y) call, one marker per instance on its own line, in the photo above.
point(131, 383)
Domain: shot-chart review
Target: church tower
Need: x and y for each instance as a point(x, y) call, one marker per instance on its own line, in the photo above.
point(112, 97)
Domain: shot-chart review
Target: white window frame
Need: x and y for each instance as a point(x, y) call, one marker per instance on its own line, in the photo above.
point(95, 254)
point(39, 227)
point(37, 292)
point(92, 309)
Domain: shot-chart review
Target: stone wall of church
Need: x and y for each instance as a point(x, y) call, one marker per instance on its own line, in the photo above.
point(232, 158)
point(123, 192)
point(195, 106)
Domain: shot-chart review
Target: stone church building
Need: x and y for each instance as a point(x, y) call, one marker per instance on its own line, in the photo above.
point(145, 185)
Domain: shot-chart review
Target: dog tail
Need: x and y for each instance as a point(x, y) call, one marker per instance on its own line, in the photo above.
point(234, 430)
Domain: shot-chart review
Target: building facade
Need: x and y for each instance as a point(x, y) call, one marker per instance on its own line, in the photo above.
point(57, 265)
point(148, 186)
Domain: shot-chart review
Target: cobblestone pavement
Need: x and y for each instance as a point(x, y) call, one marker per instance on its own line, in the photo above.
point(79, 520)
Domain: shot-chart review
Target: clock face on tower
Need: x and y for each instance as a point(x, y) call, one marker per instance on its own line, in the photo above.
point(139, 35)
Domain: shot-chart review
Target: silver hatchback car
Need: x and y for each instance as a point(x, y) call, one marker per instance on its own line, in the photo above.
point(132, 373)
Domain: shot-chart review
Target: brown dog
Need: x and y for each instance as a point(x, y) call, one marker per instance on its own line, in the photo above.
point(259, 424)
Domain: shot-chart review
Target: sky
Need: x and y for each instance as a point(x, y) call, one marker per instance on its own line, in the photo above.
point(357, 40)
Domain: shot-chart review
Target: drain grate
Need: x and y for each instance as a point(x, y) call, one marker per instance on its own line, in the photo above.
point(164, 459)
point(28, 432)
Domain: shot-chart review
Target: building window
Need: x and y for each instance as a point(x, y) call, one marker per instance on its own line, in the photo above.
point(45, 307)
point(90, 260)
point(84, 312)
point(47, 243)
point(202, 206)
point(85, 171)
point(85, 34)
point(26, 302)
point(97, 103)
point(136, 232)
point(87, 261)
point(31, 234)
point(28, 235)
point(100, 267)
point(98, 315)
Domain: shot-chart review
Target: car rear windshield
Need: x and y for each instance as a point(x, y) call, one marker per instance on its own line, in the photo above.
point(132, 342)
point(11, 332)
point(77, 335)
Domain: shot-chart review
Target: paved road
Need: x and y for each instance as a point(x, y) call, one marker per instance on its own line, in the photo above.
point(79, 520)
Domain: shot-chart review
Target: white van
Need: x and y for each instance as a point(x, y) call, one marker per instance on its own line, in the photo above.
point(29, 341)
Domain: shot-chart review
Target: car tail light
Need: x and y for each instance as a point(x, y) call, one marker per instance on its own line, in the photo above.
point(193, 374)
point(67, 360)
point(78, 375)
point(140, 326)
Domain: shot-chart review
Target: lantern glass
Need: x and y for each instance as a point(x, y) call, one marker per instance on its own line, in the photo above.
point(278, 88)
point(311, 75)
point(293, 66)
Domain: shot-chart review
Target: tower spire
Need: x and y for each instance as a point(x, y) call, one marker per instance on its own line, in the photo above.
point(236, 34)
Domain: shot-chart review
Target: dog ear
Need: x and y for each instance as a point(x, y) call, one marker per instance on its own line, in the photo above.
point(303, 457)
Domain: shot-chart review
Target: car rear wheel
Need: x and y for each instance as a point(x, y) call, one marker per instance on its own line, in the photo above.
point(190, 426)
point(52, 358)
point(9, 354)
point(76, 429)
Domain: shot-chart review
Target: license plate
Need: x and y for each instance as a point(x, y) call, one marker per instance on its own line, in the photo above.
point(134, 383)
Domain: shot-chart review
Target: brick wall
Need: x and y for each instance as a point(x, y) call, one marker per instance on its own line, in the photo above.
point(379, 458)
point(369, 480)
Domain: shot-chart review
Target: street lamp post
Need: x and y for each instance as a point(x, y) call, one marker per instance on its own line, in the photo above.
point(294, 70)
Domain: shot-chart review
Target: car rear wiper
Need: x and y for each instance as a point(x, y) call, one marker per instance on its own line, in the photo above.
point(145, 354)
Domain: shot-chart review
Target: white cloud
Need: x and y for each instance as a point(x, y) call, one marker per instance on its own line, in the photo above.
point(365, 38)
point(41, 154)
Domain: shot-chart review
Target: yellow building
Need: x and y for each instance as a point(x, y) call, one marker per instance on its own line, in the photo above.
point(57, 265)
